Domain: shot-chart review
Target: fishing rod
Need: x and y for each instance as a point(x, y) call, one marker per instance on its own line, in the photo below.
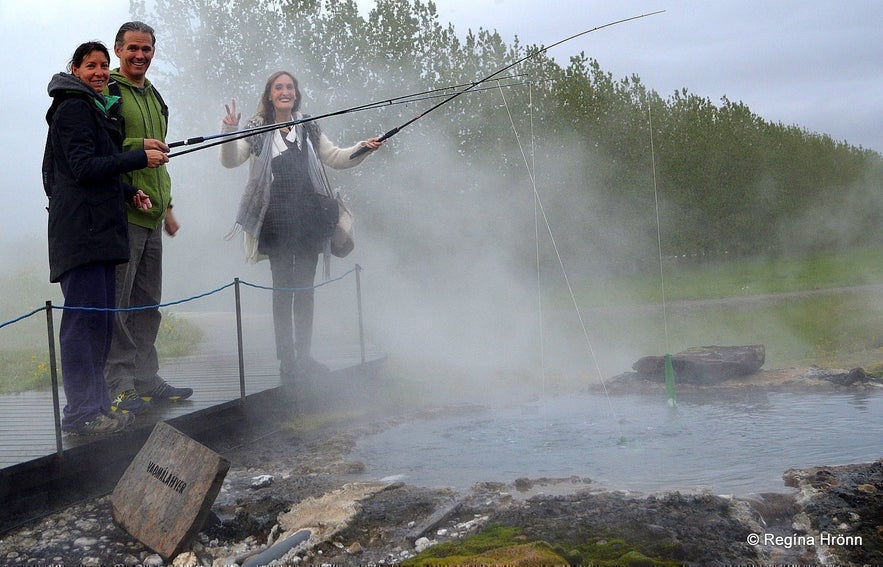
point(398, 129)
point(404, 99)
point(432, 96)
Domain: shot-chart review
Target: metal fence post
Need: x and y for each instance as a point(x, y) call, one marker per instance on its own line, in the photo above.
point(359, 301)
point(239, 342)
point(53, 374)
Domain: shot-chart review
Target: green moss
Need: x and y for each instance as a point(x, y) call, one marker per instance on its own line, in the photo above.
point(493, 537)
point(524, 555)
point(615, 552)
point(637, 559)
point(501, 545)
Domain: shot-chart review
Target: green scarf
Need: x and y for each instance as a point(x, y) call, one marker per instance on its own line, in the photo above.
point(105, 103)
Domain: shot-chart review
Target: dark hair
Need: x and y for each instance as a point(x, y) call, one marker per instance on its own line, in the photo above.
point(135, 26)
point(265, 110)
point(85, 49)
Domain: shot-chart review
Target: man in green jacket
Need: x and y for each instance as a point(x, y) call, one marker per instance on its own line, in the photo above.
point(132, 371)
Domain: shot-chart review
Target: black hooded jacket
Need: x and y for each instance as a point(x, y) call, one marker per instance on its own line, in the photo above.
point(81, 174)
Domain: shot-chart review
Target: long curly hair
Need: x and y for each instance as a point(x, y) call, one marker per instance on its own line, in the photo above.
point(265, 108)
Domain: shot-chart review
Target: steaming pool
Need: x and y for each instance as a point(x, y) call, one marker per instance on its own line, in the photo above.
point(730, 442)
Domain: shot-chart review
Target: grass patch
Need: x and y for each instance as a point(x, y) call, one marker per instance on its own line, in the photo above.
point(739, 277)
point(842, 330)
point(24, 370)
point(177, 336)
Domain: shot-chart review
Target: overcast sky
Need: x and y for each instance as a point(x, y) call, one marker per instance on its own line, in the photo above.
point(817, 64)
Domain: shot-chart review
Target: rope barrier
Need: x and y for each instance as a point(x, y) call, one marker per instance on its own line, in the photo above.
point(25, 316)
point(235, 284)
point(177, 302)
point(143, 307)
point(326, 282)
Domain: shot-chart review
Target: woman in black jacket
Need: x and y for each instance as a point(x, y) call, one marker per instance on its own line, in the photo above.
point(87, 229)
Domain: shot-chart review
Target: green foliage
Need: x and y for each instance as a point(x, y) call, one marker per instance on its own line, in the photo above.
point(178, 336)
point(726, 180)
point(22, 370)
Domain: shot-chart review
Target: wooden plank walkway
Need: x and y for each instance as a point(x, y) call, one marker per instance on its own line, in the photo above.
point(27, 422)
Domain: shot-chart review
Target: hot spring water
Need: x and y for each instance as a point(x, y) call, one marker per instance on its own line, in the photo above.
point(730, 442)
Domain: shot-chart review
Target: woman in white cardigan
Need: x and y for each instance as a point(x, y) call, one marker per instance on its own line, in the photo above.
point(285, 212)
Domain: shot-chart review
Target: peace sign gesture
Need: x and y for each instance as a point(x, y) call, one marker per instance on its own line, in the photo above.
point(232, 118)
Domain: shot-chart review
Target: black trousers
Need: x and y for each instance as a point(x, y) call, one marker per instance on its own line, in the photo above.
point(294, 273)
point(85, 337)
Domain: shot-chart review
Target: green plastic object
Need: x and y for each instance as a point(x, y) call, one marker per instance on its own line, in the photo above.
point(670, 382)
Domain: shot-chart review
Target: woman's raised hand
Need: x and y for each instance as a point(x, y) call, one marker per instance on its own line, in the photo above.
point(232, 118)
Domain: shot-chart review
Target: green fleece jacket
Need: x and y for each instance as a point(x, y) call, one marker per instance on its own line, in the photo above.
point(142, 118)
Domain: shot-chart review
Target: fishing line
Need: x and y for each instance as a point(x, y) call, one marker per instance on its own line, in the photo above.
point(668, 369)
point(430, 97)
point(398, 129)
point(539, 206)
point(536, 228)
point(658, 228)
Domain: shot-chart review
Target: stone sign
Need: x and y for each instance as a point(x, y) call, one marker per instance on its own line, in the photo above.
point(164, 496)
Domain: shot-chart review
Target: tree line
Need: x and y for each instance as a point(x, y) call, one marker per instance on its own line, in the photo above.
point(608, 156)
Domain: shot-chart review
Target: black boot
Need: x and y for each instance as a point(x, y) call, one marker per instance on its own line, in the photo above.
point(288, 371)
point(308, 366)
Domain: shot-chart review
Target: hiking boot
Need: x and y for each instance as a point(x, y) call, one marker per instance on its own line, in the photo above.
point(167, 393)
point(126, 419)
point(103, 424)
point(288, 371)
point(129, 402)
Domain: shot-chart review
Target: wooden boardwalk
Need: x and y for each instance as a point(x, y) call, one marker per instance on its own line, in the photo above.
point(27, 420)
point(38, 477)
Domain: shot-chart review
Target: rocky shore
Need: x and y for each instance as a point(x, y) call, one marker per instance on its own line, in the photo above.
point(291, 496)
point(792, 379)
point(834, 516)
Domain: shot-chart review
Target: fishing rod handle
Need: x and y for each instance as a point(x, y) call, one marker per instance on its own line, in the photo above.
point(188, 141)
point(359, 152)
point(239, 133)
point(365, 149)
